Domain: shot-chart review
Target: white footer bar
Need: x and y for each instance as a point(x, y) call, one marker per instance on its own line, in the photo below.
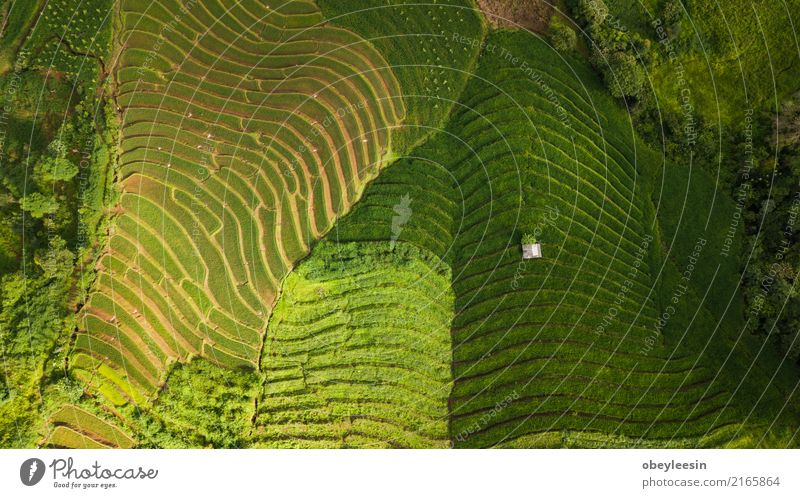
point(381, 473)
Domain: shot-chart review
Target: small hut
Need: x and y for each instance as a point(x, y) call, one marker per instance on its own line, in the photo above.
point(531, 248)
point(531, 251)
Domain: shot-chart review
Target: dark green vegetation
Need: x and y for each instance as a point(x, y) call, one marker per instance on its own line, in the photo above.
point(599, 343)
point(54, 150)
point(298, 224)
point(17, 20)
point(714, 84)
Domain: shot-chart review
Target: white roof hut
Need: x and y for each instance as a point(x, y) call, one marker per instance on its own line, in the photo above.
point(531, 251)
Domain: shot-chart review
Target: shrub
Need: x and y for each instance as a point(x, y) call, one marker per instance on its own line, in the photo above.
point(623, 75)
point(594, 12)
point(562, 36)
point(55, 169)
point(672, 12)
point(529, 238)
point(39, 205)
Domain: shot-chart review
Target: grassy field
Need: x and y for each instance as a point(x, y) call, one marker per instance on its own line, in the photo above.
point(17, 19)
point(424, 43)
point(701, 238)
point(344, 366)
point(67, 37)
point(725, 58)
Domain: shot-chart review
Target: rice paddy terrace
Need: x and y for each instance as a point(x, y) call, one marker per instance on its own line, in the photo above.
point(559, 342)
point(569, 350)
point(250, 132)
point(358, 353)
point(245, 132)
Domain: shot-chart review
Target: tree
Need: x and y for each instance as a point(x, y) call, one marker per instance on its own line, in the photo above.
point(204, 405)
point(529, 238)
point(39, 205)
point(57, 147)
point(71, 389)
point(57, 260)
point(54, 169)
point(672, 12)
point(623, 74)
point(562, 36)
point(594, 12)
point(12, 289)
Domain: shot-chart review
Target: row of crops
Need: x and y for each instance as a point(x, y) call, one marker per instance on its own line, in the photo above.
point(562, 351)
point(246, 129)
point(77, 428)
point(551, 344)
point(567, 342)
point(358, 352)
point(431, 46)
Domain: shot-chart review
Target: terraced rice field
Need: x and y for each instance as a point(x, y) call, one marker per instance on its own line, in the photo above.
point(560, 337)
point(344, 366)
point(246, 130)
point(562, 351)
point(77, 428)
point(424, 42)
point(251, 131)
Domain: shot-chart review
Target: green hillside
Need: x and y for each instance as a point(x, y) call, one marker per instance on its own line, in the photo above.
point(300, 224)
point(568, 350)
